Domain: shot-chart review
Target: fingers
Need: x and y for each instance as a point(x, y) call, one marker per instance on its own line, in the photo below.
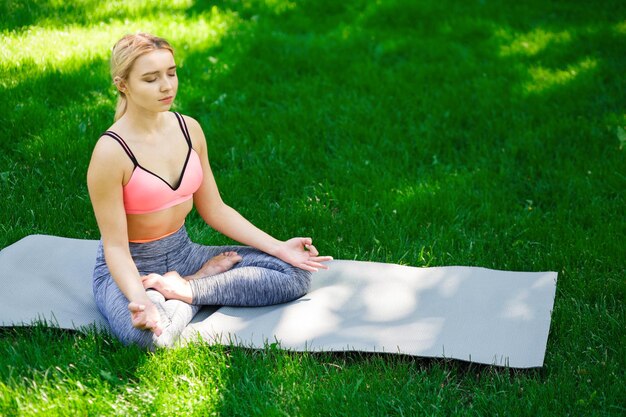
point(153, 326)
point(316, 261)
point(307, 267)
point(321, 258)
point(316, 265)
point(319, 266)
point(312, 249)
point(156, 329)
point(136, 307)
point(140, 321)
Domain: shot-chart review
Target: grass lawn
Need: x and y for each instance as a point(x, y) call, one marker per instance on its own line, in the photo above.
point(421, 132)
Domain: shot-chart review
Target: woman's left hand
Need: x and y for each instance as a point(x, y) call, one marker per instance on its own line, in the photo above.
point(301, 253)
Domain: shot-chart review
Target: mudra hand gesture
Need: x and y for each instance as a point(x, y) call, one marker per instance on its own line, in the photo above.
point(300, 252)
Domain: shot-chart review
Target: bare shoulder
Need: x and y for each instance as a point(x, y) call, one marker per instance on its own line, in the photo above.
point(109, 159)
point(107, 150)
point(195, 131)
point(192, 123)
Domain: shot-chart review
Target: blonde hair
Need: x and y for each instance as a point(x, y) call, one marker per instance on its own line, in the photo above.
point(123, 56)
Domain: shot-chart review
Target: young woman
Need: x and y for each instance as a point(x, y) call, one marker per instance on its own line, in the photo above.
point(146, 173)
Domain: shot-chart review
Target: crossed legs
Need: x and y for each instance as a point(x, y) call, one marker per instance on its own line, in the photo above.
point(241, 276)
point(234, 276)
point(174, 287)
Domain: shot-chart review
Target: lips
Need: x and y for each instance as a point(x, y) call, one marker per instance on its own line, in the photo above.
point(168, 98)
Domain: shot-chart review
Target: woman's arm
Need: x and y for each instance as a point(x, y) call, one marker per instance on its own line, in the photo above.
point(105, 177)
point(297, 251)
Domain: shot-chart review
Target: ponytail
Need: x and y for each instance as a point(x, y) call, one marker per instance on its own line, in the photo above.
point(120, 108)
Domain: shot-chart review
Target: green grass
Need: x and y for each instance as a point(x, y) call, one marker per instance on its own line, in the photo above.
point(430, 132)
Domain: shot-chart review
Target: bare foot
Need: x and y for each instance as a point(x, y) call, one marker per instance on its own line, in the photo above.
point(170, 284)
point(175, 287)
point(217, 265)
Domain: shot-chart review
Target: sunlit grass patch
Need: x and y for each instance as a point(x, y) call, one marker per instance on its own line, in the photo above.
point(96, 10)
point(620, 28)
point(543, 79)
point(67, 47)
point(530, 43)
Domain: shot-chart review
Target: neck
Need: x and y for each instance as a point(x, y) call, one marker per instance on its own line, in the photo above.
point(144, 122)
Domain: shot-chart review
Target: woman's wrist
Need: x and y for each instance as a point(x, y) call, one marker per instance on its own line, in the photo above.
point(140, 299)
point(275, 248)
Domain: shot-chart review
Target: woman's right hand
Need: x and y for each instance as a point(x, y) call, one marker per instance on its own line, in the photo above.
point(145, 316)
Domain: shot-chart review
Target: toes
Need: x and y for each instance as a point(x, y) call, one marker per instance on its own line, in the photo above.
point(151, 276)
point(149, 282)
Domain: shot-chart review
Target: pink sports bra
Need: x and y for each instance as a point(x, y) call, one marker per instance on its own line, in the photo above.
point(146, 192)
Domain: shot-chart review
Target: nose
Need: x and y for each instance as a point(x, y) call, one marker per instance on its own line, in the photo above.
point(166, 84)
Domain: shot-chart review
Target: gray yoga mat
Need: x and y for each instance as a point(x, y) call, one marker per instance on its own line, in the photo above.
point(473, 314)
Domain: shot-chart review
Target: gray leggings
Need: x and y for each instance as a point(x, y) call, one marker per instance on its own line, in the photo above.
point(258, 280)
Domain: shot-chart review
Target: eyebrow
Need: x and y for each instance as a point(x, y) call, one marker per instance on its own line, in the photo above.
point(156, 72)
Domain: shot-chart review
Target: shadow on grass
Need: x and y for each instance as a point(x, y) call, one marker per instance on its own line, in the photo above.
point(19, 15)
point(437, 120)
point(247, 379)
point(33, 351)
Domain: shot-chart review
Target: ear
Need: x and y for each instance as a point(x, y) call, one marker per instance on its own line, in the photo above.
point(120, 84)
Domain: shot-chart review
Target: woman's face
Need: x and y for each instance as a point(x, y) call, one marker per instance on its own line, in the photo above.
point(152, 83)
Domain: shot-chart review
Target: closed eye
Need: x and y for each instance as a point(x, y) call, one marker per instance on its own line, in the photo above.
point(154, 79)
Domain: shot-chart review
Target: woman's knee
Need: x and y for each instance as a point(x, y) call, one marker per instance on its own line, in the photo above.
point(301, 280)
point(114, 307)
point(123, 329)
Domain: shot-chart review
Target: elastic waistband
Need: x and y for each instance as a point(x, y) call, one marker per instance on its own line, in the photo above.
point(161, 246)
point(156, 238)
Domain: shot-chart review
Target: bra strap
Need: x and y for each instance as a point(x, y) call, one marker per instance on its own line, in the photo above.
point(123, 144)
point(183, 127)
